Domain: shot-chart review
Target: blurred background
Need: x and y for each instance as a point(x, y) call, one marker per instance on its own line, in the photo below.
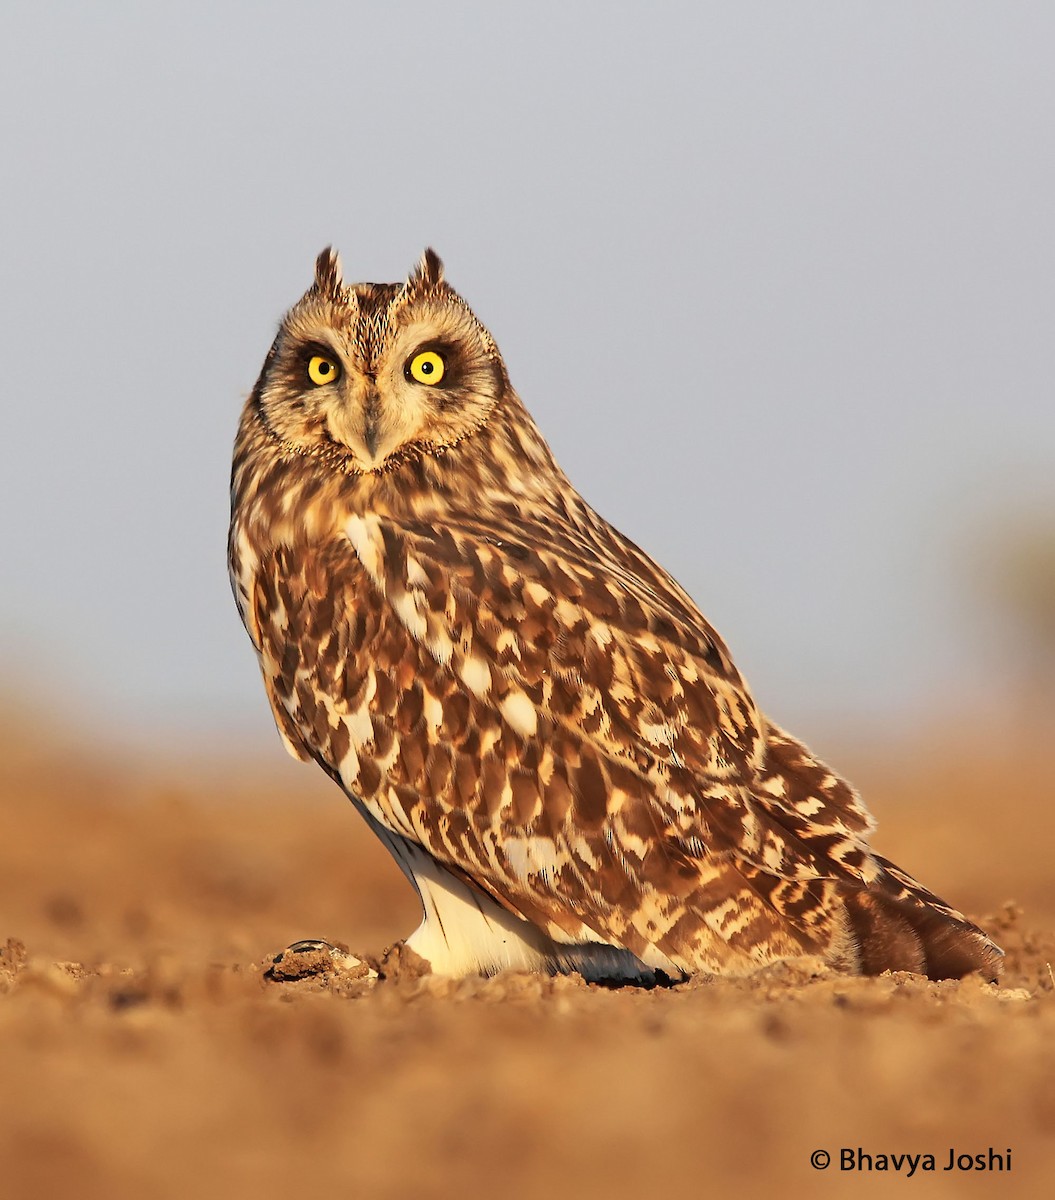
point(777, 282)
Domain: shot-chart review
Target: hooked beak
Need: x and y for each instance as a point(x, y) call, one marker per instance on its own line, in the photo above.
point(363, 425)
point(371, 435)
point(372, 422)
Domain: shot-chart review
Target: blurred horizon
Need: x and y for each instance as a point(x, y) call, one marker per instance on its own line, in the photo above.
point(777, 285)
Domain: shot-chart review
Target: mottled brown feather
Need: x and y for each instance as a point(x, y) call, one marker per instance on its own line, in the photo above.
point(499, 677)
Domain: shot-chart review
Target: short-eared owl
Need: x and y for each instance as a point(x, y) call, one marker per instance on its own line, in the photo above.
point(530, 713)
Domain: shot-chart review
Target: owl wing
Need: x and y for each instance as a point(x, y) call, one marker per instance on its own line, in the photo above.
point(549, 716)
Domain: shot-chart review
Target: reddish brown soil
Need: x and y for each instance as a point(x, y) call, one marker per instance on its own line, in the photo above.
point(143, 1053)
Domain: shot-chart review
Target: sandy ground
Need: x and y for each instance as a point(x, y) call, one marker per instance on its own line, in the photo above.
point(143, 1053)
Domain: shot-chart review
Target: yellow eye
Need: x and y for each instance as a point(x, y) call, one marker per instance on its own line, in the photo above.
point(426, 367)
point(322, 369)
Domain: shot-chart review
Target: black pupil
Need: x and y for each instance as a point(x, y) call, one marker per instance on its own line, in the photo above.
point(427, 367)
point(325, 368)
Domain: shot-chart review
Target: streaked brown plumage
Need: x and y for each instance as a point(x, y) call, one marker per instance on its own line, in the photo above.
point(533, 716)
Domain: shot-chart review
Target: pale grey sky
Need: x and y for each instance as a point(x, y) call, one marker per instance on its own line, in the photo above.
point(776, 280)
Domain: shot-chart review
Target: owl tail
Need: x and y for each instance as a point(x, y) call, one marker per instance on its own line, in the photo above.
point(898, 925)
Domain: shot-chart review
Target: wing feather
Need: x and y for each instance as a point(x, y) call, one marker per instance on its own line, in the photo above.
point(629, 806)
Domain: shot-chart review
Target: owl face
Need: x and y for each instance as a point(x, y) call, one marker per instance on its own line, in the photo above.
point(369, 375)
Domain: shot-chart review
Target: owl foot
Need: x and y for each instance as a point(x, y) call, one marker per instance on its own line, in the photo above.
point(316, 959)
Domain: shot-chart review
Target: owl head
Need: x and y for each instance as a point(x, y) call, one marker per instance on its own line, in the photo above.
point(367, 375)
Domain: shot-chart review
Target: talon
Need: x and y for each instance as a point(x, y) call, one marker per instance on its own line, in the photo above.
point(306, 945)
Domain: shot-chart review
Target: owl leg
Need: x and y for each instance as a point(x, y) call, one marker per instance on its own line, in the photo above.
point(463, 932)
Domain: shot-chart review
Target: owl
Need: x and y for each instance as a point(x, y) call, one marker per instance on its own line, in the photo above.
point(528, 711)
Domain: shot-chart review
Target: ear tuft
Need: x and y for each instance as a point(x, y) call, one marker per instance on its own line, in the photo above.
point(429, 271)
point(328, 277)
